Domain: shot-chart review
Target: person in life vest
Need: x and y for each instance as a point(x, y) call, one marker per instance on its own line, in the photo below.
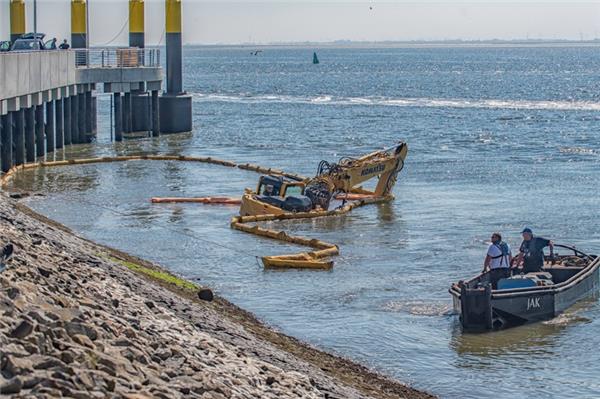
point(497, 260)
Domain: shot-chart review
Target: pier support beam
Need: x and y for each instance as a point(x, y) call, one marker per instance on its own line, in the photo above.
point(40, 148)
point(30, 134)
point(89, 121)
point(50, 126)
point(82, 117)
point(175, 105)
point(74, 119)
point(60, 124)
point(155, 115)
point(127, 112)
point(7, 142)
point(118, 117)
point(19, 136)
point(67, 120)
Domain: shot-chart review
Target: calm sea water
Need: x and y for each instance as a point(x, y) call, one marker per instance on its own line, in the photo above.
point(499, 138)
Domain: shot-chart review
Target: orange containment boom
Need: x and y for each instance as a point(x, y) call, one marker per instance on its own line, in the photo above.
point(200, 200)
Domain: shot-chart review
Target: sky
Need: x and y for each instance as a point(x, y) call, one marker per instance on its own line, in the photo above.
point(278, 21)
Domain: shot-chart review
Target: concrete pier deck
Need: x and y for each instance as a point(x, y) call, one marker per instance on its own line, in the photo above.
point(50, 93)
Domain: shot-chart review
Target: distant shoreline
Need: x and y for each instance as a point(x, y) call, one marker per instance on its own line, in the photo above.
point(409, 44)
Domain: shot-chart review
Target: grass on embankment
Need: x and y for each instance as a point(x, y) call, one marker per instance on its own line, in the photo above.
point(156, 274)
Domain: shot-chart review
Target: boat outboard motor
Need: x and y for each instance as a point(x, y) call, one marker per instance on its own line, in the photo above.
point(476, 308)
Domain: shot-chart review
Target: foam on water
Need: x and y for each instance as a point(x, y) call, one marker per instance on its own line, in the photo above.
point(402, 102)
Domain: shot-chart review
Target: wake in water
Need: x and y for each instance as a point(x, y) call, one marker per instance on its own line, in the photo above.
point(400, 102)
point(419, 308)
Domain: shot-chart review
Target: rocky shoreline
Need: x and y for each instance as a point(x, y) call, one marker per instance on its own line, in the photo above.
point(82, 320)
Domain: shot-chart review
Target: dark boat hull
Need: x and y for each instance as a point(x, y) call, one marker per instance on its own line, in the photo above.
point(486, 309)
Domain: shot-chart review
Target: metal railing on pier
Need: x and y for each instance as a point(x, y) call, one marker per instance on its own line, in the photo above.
point(129, 57)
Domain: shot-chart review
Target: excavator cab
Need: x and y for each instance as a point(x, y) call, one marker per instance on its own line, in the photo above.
point(278, 192)
point(278, 186)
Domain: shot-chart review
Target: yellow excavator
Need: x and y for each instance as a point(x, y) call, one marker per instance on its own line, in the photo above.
point(277, 195)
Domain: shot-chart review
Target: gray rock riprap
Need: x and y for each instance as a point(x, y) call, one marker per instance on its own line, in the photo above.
point(75, 323)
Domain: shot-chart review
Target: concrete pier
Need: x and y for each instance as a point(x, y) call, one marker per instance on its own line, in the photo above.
point(47, 98)
point(175, 104)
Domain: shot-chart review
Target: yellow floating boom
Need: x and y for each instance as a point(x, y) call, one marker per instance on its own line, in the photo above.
point(317, 259)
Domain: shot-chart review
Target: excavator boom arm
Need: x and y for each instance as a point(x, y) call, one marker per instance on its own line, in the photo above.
point(384, 164)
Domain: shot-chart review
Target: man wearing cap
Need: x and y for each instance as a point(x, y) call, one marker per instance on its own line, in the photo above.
point(531, 253)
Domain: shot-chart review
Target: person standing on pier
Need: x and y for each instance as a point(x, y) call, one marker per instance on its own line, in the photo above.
point(64, 45)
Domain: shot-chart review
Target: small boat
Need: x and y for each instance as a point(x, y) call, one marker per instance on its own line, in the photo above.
point(526, 298)
point(315, 58)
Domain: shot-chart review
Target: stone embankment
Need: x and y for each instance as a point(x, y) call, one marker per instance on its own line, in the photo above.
point(81, 320)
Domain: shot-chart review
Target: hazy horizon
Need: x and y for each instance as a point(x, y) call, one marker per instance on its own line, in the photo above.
point(273, 22)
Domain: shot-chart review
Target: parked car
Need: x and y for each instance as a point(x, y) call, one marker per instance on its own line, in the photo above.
point(30, 42)
point(5, 45)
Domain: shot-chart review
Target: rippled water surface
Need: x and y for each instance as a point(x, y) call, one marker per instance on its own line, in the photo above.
point(499, 138)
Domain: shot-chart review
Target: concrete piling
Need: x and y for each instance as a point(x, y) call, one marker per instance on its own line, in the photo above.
point(89, 122)
point(40, 146)
point(140, 105)
point(82, 116)
point(175, 105)
point(118, 117)
point(67, 120)
point(17, 19)
point(155, 115)
point(50, 129)
point(60, 124)
point(19, 136)
point(74, 118)
point(127, 112)
point(7, 142)
point(30, 134)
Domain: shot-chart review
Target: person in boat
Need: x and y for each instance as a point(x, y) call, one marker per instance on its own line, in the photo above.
point(497, 260)
point(531, 252)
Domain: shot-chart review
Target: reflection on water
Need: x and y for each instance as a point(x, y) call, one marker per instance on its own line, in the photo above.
point(542, 340)
point(470, 171)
